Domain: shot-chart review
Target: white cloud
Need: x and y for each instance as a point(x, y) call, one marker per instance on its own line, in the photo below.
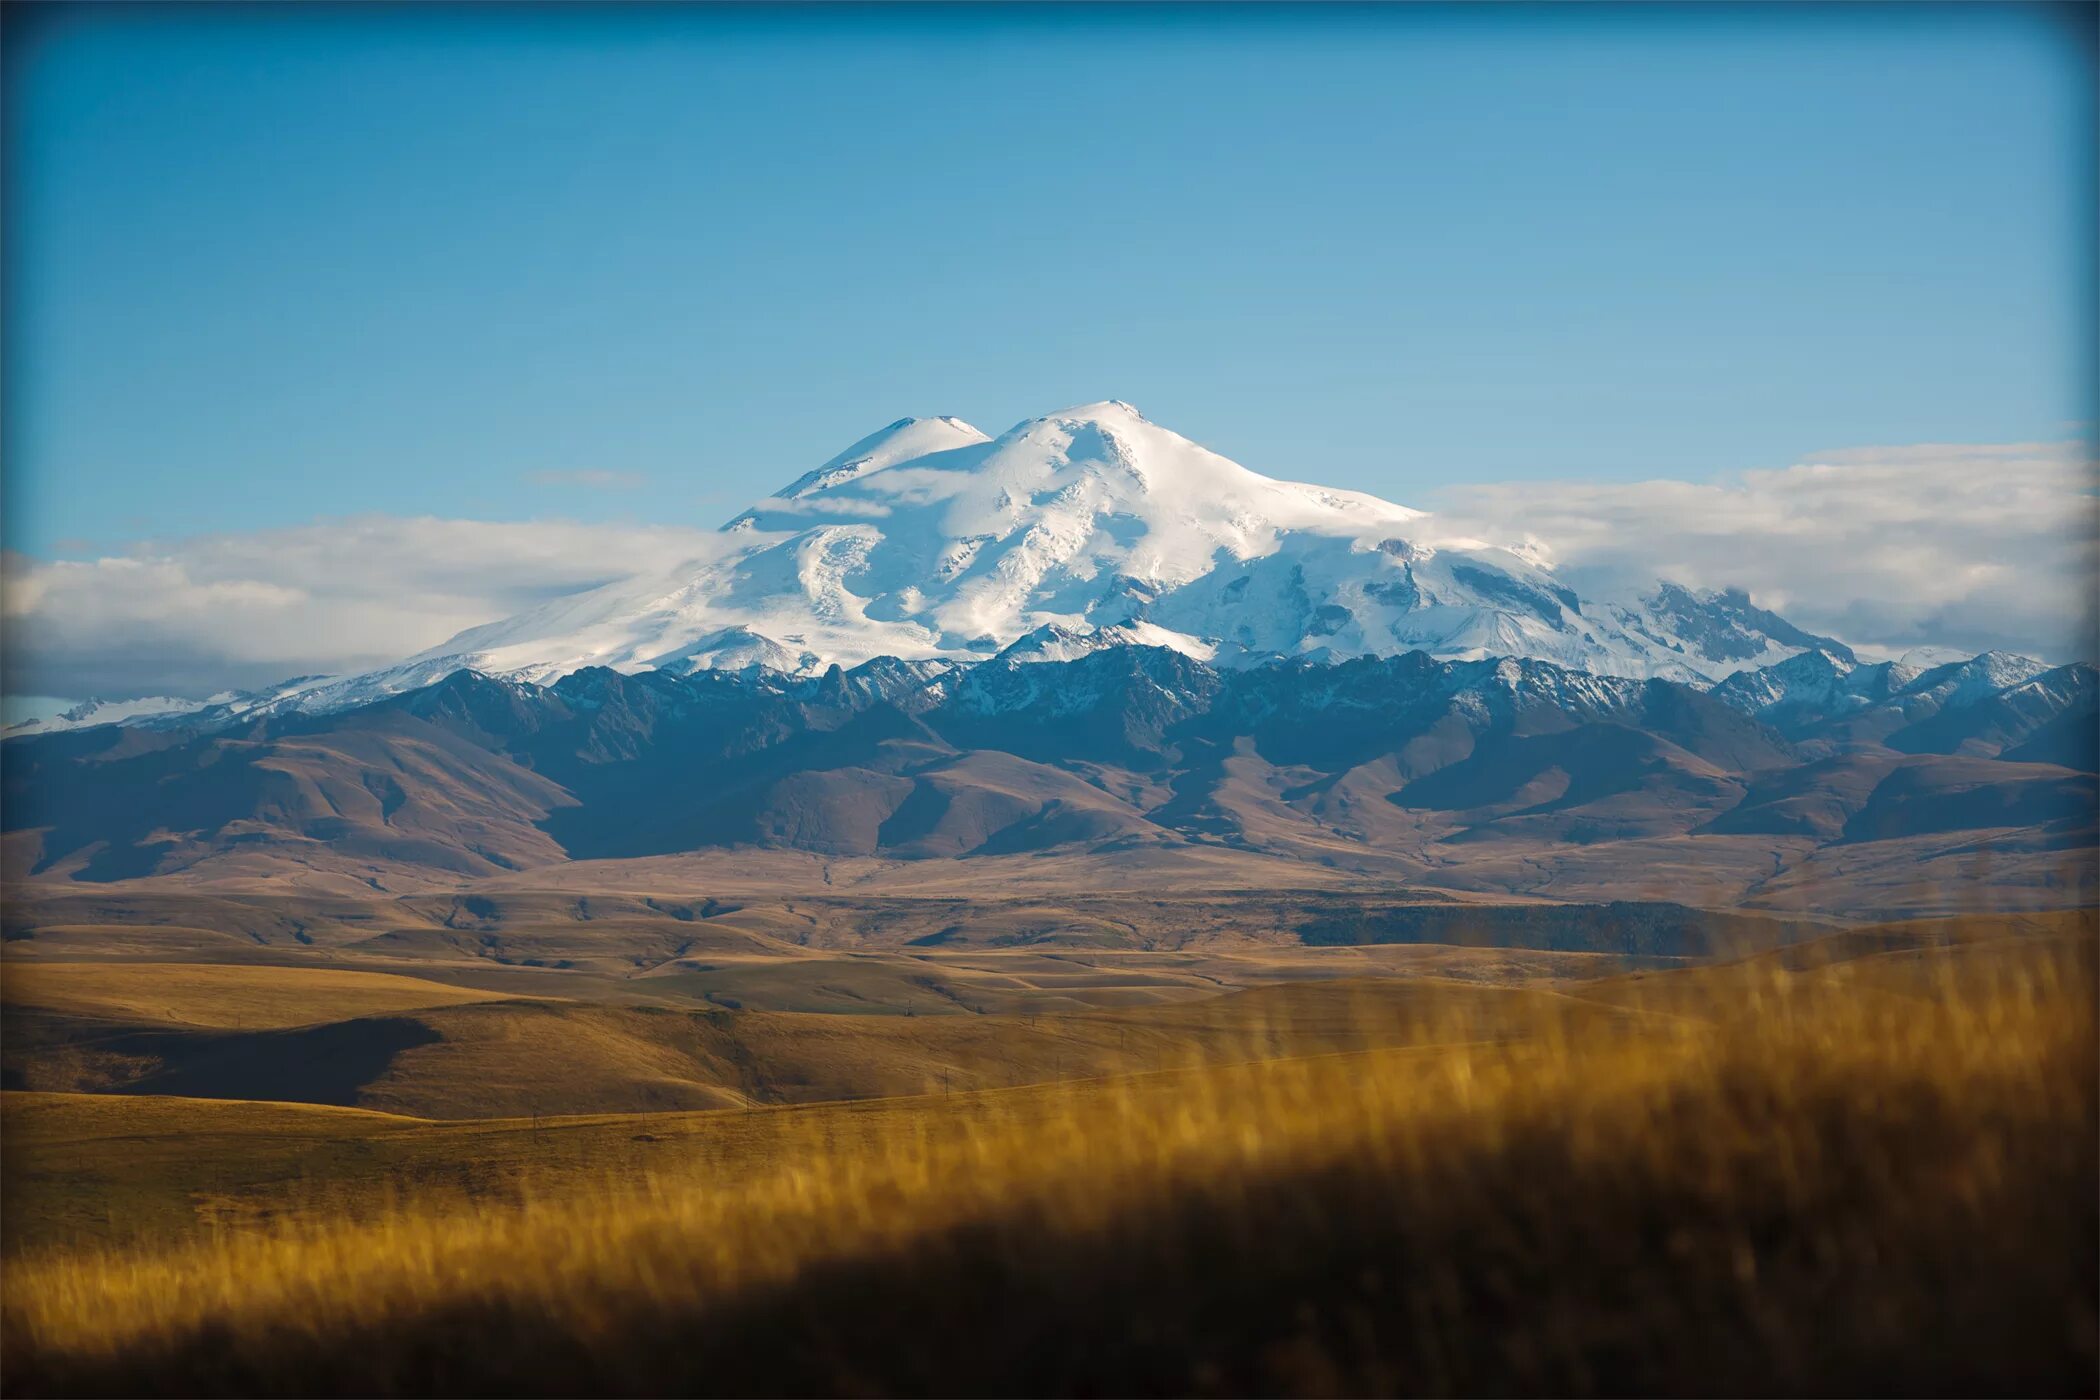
point(1882, 547)
point(821, 505)
point(193, 616)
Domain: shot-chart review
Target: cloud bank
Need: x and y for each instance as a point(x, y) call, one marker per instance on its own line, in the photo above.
point(195, 616)
point(1886, 548)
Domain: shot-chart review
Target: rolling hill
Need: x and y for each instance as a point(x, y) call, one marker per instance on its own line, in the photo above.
point(1487, 776)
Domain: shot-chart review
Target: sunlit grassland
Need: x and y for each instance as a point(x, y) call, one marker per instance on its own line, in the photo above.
point(220, 996)
point(97, 1169)
point(541, 1057)
point(1877, 1175)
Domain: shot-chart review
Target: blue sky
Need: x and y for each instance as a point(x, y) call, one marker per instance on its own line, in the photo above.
point(271, 266)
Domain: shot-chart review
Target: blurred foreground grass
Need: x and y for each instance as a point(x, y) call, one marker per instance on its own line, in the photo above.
point(1873, 1176)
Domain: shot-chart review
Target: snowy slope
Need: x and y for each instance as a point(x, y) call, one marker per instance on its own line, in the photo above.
point(89, 713)
point(1086, 528)
point(1807, 693)
point(1960, 683)
point(901, 441)
point(929, 539)
point(1815, 682)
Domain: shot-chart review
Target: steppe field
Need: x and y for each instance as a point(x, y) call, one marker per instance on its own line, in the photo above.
point(1211, 1145)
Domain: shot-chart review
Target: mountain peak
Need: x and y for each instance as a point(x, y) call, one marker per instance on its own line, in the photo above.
point(901, 441)
point(1958, 682)
point(1100, 411)
point(1095, 527)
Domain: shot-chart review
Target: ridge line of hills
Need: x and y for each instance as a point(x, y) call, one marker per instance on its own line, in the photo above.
point(1816, 775)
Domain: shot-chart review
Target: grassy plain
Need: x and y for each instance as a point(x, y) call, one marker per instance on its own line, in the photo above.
point(459, 1037)
point(222, 997)
point(1868, 1166)
point(100, 1168)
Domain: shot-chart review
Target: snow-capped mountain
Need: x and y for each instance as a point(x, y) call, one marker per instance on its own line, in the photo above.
point(155, 711)
point(1092, 526)
point(1818, 684)
point(1083, 529)
point(92, 712)
point(1996, 704)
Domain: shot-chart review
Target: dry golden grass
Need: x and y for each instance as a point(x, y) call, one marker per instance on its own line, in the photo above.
point(221, 996)
point(93, 1169)
point(1872, 1177)
point(541, 1056)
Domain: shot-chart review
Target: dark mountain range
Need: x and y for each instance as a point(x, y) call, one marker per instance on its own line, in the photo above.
point(1402, 767)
